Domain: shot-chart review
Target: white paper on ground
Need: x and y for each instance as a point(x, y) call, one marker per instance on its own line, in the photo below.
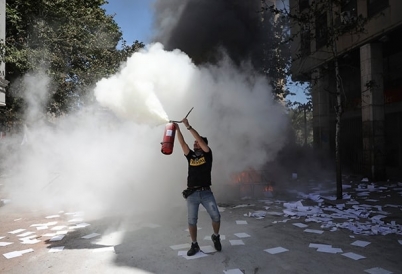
point(207, 249)
point(75, 214)
point(52, 216)
point(276, 250)
point(240, 222)
point(25, 251)
point(223, 237)
point(329, 250)
point(57, 238)
point(300, 225)
point(25, 234)
point(378, 217)
point(377, 270)
point(17, 231)
point(258, 214)
point(275, 213)
point(80, 225)
point(239, 206)
point(242, 235)
point(89, 236)
point(181, 246)
point(49, 235)
point(314, 231)
point(30, 241)
point(353, 256)
point(233, 271)
point(60, 227)
point(197, 255)
point(289, 212)
point(319, 245)
point(236, 242)
point(29, 237)
point(56, 249)
point(12, 254)
point(76, 220)
point(5, 243)
point(360, 243)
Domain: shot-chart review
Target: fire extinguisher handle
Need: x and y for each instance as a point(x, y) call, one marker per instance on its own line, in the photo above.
point(188, 113)
point(172, 121)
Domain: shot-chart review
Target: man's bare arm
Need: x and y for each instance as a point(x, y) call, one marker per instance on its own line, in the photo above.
point(196, 135)
point(183, 143)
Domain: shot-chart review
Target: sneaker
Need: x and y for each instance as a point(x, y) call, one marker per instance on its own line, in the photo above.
point(217, 242)
point(194, 249)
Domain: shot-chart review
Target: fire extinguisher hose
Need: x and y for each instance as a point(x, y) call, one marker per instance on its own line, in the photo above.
point(171, 121)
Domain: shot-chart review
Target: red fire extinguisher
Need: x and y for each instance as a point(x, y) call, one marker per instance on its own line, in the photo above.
point(168, 139)
point(169, 135)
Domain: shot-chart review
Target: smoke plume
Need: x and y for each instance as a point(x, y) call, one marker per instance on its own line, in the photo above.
point(106, 158)
point(202, 29)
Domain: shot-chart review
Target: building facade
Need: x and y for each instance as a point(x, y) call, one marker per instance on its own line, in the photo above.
point(369, 54)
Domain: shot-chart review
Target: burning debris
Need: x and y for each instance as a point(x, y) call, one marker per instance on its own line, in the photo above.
point(254, 183)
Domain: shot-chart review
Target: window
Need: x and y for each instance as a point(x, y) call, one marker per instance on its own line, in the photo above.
point(305, 41)
point(303, 4)
point(375, 6)
point(321, 29)
point(348, 11)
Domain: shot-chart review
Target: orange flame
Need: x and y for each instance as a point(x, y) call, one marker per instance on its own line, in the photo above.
point(268, 189)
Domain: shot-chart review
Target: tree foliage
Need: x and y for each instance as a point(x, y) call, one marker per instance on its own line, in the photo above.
point(73, 41)
point(276, 57)
point(301, 117)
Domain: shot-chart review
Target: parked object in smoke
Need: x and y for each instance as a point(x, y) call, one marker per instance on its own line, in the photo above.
point(169, 136)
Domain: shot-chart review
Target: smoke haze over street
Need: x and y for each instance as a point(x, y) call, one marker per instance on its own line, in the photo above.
point(109, 161)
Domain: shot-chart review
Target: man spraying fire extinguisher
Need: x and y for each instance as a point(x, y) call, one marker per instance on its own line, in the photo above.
point(199, 186)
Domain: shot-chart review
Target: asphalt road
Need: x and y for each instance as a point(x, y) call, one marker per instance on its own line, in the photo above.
point(151, 244)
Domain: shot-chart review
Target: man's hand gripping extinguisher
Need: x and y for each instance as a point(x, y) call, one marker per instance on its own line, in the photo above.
point(169, 135)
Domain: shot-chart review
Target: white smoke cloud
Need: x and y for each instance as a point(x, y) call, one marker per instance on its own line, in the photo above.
point(101, 165)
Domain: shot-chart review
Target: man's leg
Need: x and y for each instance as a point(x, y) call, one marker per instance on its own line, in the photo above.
point(193, 204)
point(215, 226)
point(208, 201)
point(193, 232)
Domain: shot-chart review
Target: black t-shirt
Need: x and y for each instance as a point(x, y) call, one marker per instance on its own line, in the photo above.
point(199, 169)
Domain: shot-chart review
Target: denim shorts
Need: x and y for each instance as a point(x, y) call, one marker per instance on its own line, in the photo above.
point(207, 199)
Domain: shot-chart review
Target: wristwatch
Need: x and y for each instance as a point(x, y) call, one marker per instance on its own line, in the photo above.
point(190, 127)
